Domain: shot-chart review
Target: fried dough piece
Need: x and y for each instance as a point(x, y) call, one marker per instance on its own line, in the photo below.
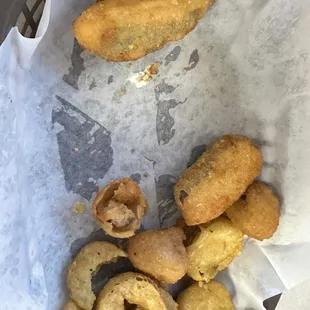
point(134, 289)
point(87, 262)
point(119, 208)
point(213, 249)
point(257, 212)
point(206, 296)
point(126, 30)
point(160, 253)
point(70, 305)
point(217, 179)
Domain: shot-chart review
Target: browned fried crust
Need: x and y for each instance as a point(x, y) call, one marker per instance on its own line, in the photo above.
point(206, 296)
point(160, 253)
point(126, 30)
point(119, 208)
point(136, 289)
point(213, 249)
point(257, 212)
point(217, 179)
point(84, 266)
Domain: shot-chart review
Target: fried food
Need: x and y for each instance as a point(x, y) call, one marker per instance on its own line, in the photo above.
point(257, 212)
point(119, 208)
point(160, 253)
point(217, 179)
point(70, 305)
point(134, 289)
point(213, 249)
point(120, 30)
point(206, 296)
point(84, 266)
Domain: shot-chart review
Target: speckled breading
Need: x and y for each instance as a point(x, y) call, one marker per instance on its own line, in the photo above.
point(119, 208)
point(160, 253)
point(70, 305)
point(126, 30)
point(136, 289)
point(257, 212)
point(213, 249)
point(217, 179)
point(206, 296)
point(84, 266)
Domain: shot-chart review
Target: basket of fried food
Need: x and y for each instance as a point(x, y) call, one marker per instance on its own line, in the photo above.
point(221, 201)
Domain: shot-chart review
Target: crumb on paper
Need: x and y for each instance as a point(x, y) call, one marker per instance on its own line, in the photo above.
point(123, 92)
point(75, 149)
point(142, 78)
point(145, 174)
point(132, 150)
point(129, 65)
point(79, 208)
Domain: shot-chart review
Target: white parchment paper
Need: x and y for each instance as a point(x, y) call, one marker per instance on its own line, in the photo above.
point(244, 69)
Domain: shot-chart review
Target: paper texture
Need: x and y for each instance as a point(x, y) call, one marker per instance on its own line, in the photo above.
point(244, 69)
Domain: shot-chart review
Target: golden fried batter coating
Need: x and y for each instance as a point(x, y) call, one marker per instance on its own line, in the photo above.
point(206, 296)
point(134, 289)
point(217, 179)
point(125, 30)
point(213, 249)
point(119, 208)
point(257, 212)
point(84, 266)
point(70, 305)
point(160, 253)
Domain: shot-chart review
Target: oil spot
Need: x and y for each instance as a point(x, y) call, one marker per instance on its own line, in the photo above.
point(193, 60)
point(110, 79)
point(164, 120)
point(95, 156)
point(92, 85)
point(196, 152)
point(163, 88)
point(77, 66)
point(173, 55)
point(167, 209)
point(136, 177)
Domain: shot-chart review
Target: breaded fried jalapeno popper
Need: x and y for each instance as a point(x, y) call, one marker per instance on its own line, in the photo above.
point(126, 30)
point(217, 179)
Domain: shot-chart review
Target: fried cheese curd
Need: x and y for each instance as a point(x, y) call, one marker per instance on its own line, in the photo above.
point(126, 30)
point(119, 207)
point(257, 212)
point(160, 253)
point(213, 249)
point(205, 296)
point(217, 179)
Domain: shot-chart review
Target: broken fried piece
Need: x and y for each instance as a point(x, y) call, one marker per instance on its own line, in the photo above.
point(134, 289)
point(217, 179)
point(70, 305)
point(121, 30)
point(159, 253)
point(119, 208)
point(206, 296)
point(257, 212)
point(84, 266)
point(213, 249)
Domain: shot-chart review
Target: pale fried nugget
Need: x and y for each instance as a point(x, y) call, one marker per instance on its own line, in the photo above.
point(213, 249)
point(217, 179)
point(125, 30)
point(160, 253)
point(84, 266)
point(70, 305)
point(135, 289)
point(206, 296)
point(257, 212)
point(119, 208)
